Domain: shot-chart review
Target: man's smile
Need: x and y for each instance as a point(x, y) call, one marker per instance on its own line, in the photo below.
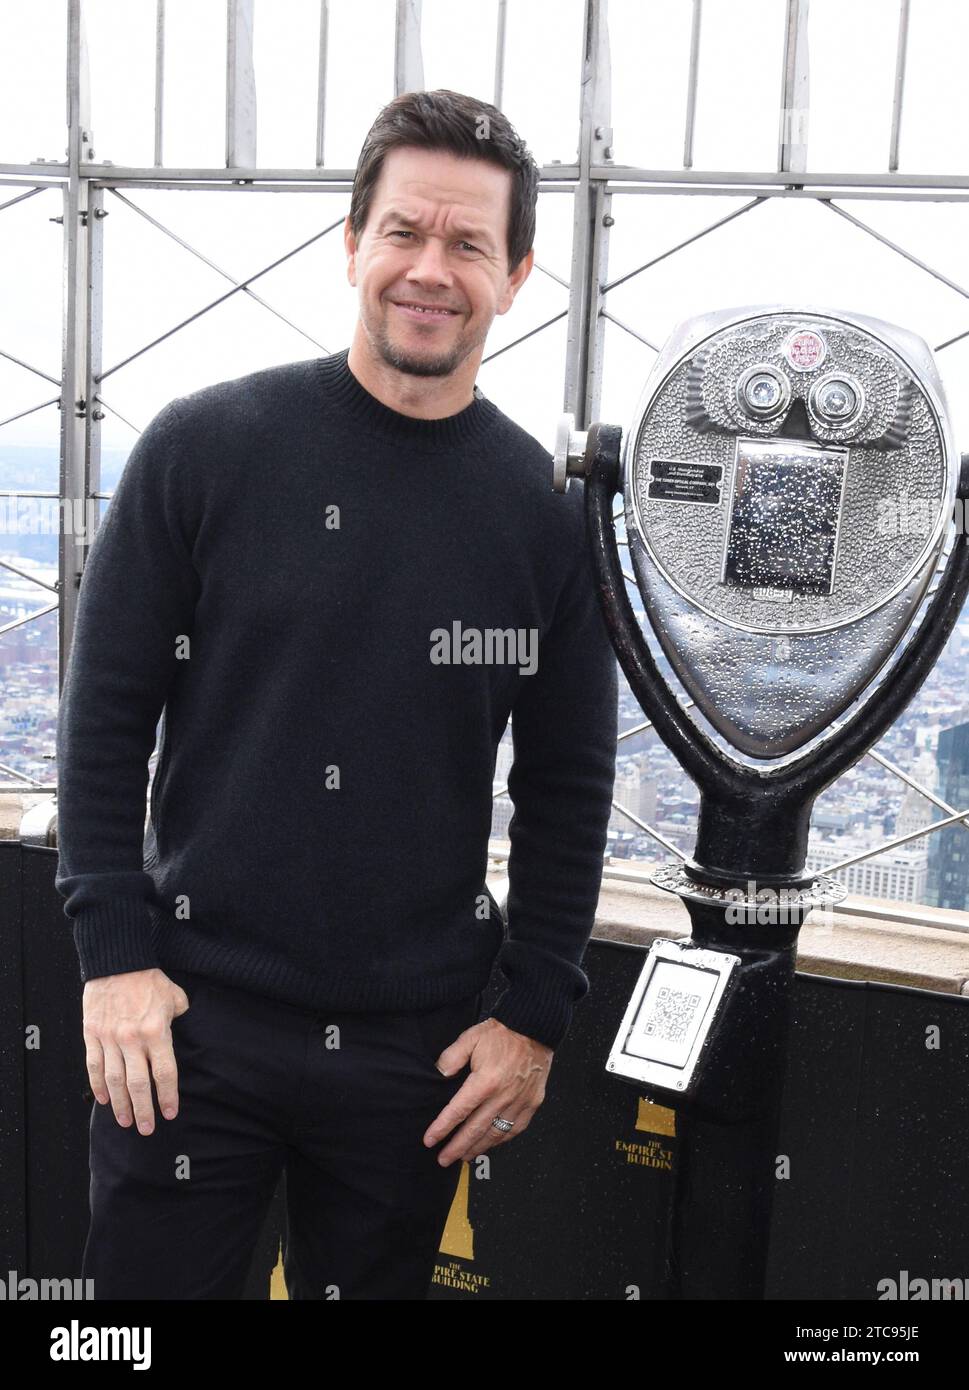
point(428, 313)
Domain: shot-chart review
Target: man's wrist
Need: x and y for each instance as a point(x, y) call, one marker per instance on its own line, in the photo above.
point(490, 1018)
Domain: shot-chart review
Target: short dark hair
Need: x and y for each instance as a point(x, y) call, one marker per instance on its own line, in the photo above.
point(452, 122)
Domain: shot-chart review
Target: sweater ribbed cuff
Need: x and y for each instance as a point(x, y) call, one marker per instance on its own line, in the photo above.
point(114, 938)
point(541, 995)
point(545, 1020)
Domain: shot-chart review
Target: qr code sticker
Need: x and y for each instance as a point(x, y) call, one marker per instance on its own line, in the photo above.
point(673, 1013)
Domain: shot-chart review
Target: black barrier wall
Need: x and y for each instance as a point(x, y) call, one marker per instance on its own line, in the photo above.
point(44, 1092)
point(871, 1161)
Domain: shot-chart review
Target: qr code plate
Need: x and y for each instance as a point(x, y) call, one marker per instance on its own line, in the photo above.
point(670, 1015)
point(673, 1014)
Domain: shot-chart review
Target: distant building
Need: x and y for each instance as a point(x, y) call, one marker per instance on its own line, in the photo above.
point(830, 822)
point(916, 810)
point(503, 808)
point(898, 874)
point(949, 848)
point(636, 790)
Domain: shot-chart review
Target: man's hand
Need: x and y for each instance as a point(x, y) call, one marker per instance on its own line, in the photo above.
point(127, 1026)
point(508, 1072)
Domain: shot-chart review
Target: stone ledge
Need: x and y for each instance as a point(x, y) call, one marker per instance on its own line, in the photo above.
point(13, 808)
point(11, 814)
point(843, 945)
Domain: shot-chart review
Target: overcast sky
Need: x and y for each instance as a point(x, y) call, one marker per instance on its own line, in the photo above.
point(783, 250)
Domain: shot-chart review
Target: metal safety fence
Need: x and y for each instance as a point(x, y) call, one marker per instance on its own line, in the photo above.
point(88, 189)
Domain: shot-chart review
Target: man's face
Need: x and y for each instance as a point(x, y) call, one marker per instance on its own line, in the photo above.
point(436, 236)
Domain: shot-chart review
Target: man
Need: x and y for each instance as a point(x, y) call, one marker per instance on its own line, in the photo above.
point(336, 579)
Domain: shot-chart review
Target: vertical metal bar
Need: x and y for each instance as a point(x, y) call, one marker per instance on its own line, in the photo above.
point(95, 281)
point(76, 380)
point(795, 91)
point(900, 58)
point(159, 79)
point(500, 52)
point(321, 83)
point(408, 58)
point(590, 222)
point(240, 88)
point(691, 84)
point(601, 222)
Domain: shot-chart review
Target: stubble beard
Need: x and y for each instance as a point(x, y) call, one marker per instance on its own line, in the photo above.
point(413, 364)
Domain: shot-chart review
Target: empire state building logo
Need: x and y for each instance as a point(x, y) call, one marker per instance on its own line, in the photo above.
point(458, 1238)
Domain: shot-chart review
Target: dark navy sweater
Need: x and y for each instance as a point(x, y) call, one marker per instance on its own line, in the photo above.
point(333, 609)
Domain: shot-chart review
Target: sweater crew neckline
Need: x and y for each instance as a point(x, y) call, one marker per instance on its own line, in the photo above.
point(341, 386)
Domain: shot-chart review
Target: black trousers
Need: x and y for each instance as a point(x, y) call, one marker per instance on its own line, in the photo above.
point(339, 1101)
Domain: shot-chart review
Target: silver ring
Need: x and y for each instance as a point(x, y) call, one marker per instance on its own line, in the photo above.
point(503, 1125)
